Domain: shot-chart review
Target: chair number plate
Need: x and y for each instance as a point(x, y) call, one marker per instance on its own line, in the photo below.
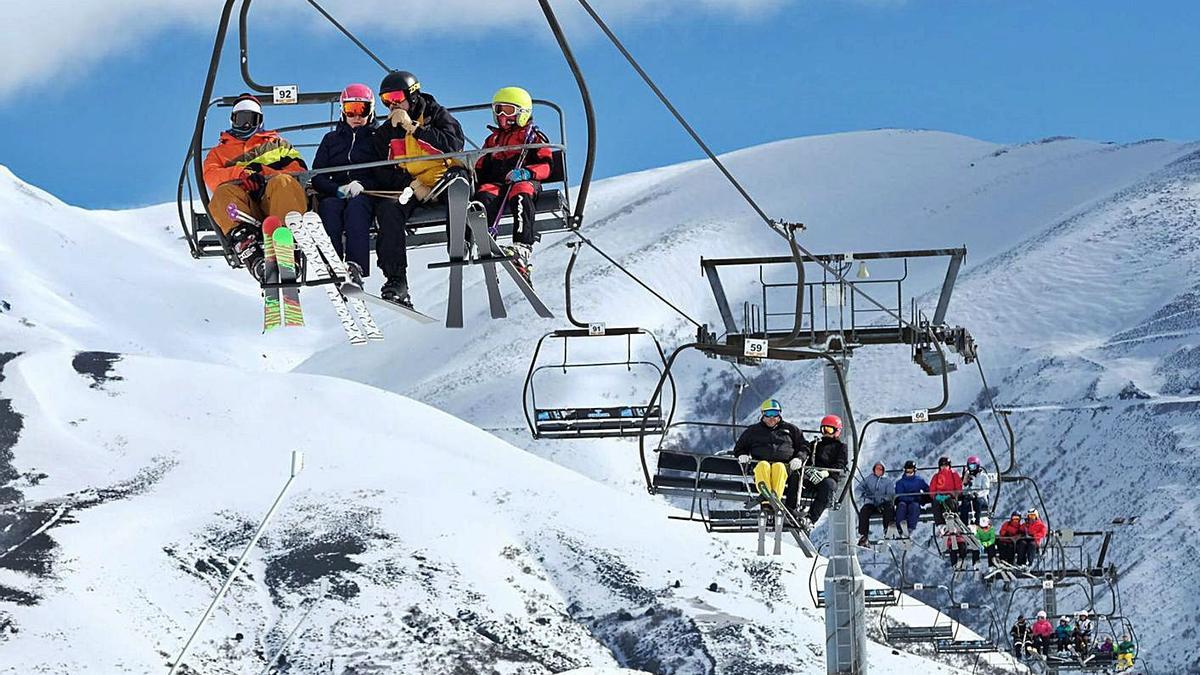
point(597, 328)
point(755, 348)
point(286, 94)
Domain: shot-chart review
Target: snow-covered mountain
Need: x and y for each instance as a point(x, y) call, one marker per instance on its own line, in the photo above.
point(435, 541)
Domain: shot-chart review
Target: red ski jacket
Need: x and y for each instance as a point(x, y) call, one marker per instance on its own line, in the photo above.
point(1010, 532)
point(1042, 628)
point(946, 482)
point(1036, 529)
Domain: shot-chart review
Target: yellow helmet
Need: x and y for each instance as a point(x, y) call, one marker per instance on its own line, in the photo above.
point(516, 97)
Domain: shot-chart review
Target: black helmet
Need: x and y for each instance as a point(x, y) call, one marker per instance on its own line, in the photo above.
point(943, 461)
point(400, 80)
point(910, 465)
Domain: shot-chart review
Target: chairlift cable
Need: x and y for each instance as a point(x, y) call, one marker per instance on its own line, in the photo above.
point(633, 276)
point(350, 35)
point(775, 226)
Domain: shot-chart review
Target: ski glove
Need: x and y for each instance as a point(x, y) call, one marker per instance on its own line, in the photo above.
point(743, 459)
point(518, 175)
point(400, 118)
point(796, 464)
point(253, 183)
point(814, 476)
point(350, 190)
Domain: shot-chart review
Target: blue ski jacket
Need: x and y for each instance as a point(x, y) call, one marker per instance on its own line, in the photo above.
point(346, 145)
point(910, 489)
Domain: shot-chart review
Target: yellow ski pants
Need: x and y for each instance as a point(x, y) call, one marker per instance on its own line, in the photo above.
point(774, 474)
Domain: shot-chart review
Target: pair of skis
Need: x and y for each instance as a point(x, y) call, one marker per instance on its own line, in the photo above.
point(463, 214)
point(328, 267)
point(281, 294)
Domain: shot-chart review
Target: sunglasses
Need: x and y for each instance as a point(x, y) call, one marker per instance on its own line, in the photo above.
point(245, 118)
point(826, 429)
point(355, 109)
point(770, 413)
point(393, 98)
point(506, 109)
point(910, 471)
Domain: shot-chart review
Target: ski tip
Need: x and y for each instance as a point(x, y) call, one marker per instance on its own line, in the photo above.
point(270, 224)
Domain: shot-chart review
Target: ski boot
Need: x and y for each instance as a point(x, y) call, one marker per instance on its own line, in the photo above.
point(521, 254)
point(395, 289)
point(246, 241)
point(864, 542)
point(354, 274)
point(805, 524)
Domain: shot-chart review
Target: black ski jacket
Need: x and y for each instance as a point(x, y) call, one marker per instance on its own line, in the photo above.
point(830, 453)
point(780, 444)
point(440, 130)
point(346, 145)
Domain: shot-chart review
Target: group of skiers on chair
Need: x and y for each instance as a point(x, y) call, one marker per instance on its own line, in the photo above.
point(964, 493)
point(255, 169)
point(787, 464)
point(1036, 639)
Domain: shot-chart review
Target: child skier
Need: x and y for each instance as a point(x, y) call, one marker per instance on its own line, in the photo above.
point(987, 539)
point(511, 180)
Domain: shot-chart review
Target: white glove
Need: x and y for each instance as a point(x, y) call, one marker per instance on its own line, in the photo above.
point(405, 196)
point(400, 118)
point(350, 190)
point(743, 459)
point(796, 464)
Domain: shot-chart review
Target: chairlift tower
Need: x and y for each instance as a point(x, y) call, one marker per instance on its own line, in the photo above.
point(845, 613)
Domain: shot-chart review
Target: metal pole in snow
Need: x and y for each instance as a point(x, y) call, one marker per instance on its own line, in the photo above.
point(297, 466)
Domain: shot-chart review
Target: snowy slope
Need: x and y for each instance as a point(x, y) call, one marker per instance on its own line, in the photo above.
point(426, 544)
point(876, 190)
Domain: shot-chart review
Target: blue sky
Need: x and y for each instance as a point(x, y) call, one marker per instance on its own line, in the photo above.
point(107, 127)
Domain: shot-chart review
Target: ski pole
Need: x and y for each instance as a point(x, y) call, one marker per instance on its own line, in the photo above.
point(238, 215)
point(494, 228)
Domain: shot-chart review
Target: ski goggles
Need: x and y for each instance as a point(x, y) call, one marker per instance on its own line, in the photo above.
point(356, 108)
point(972, 466)
point(506, 109)
point(770, 413)
point(393, 98)
point(245, 118)
point(827, 429)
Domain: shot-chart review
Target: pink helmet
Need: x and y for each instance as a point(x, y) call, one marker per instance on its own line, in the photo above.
point(359, 93)
point(973, 459)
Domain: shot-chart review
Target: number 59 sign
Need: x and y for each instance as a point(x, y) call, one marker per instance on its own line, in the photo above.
point(755, 348)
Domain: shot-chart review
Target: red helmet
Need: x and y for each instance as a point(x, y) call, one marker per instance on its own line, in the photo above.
point(832, 421)
point(359, 93)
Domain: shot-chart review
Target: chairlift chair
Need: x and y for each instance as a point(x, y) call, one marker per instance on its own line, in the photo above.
point(555, 212)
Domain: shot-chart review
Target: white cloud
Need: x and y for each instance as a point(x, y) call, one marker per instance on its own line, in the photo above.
point(65, 39)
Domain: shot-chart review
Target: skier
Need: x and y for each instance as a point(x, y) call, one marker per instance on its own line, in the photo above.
point(986, 537)
point(344, 209)
point(252, 169)
point(945, 487)
point(1106, 649)
point(511, 180)
point(1022, 638)
point(416, 125)
point(911, 491)
point(1029, 546)
point(780, 448)
point(1010, 535)
point(975, 483)
point(1062, 635)
point(877, 493)
point(1043, 634)
point(1082, 635)
point(1126, 652)
point(829, 459)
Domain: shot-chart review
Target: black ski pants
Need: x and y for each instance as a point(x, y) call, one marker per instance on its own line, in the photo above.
point(864, 516)
point(520, 205)
point(941, 507)
point(391, 243)
point(822, 496)
point(959, 552)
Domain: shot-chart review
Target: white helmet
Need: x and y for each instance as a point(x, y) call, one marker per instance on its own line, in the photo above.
point(1041, 615)
point(985, 522)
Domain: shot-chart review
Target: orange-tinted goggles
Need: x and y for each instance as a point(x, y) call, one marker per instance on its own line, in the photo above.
point(506, 109)
point(355, 108)
point(826, 429)
point(393, 97)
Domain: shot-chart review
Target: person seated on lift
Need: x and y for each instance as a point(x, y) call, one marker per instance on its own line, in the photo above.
point(829, 461)
point(780, 448)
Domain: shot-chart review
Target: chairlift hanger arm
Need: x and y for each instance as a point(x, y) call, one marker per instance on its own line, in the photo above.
point(589, 111)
